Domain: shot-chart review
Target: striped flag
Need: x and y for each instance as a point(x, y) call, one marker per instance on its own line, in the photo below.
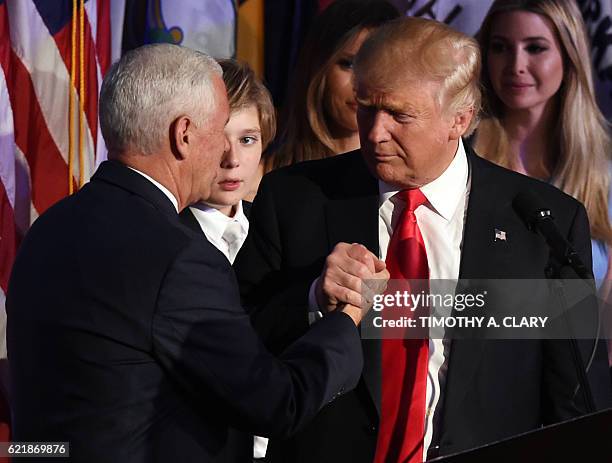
point(8, 230)
point(53, 54)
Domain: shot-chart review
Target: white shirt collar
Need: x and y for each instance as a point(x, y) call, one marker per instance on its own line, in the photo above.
point(213, 222)
point(443, 193)
point(163, 189)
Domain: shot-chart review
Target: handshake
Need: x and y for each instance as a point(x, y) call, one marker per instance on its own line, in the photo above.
point(351, 277)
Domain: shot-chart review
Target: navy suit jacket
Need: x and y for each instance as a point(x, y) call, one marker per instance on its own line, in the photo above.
point(127, 339)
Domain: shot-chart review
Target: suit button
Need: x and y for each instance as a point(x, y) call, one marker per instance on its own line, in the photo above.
point(371, 429)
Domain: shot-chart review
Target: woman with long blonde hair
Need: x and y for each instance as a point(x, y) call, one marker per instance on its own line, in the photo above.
point(541, 117)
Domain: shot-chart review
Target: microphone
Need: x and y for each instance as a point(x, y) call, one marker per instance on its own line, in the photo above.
point(538, 217)
point(534, 212)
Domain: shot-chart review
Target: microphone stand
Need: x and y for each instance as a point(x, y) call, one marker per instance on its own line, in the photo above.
point(539, 217)
point(581, 371)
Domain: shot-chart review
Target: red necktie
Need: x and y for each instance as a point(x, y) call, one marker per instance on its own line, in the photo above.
point(404, 361)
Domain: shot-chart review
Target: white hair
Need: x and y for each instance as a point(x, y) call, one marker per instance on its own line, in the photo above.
point(150, 87)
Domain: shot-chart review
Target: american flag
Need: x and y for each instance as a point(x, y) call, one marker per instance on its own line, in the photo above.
point(53, 54)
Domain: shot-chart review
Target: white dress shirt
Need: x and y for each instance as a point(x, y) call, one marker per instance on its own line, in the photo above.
point(441, 220)
point(213, 223)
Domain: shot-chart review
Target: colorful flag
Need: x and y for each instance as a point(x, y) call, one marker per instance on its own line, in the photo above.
point(208, 26)
point(53, 55)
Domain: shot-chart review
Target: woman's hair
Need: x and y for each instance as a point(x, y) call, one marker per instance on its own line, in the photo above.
point(306, 133)
point(244, 89)
point(582, 167)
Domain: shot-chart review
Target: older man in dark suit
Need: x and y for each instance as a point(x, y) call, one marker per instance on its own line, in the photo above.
point(417, 197)
point(126, 335)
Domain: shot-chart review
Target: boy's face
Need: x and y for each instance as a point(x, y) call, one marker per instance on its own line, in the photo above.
point(240, 162)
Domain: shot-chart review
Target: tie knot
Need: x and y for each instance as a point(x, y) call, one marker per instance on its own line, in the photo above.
point(413, 198)
point(232, 232)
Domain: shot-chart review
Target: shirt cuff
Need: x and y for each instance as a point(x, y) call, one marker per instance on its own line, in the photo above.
point(314, 312)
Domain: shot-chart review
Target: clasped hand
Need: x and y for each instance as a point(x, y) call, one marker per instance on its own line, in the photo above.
point(350, 278)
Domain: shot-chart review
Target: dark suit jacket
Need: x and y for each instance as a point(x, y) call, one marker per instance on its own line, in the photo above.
point(126, 336)
point(494, 389)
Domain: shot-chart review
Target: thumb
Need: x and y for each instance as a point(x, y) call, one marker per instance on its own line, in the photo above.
point(379, 265)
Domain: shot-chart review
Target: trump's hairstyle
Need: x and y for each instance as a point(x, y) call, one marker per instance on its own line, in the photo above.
point(244, 90)
point(413, 49)
point(150, 87)
point(581, 131)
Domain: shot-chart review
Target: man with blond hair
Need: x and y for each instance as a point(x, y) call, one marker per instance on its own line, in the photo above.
point(126, 336)
point(418, 198)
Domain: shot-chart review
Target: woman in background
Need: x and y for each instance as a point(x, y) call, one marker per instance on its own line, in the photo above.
point(541, 116)
point(320, 119)
point(251, 127)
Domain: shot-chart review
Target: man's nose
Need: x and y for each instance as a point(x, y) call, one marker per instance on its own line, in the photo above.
point(378, 132)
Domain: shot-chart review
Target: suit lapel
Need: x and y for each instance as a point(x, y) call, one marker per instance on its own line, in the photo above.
point(477, 254)
point(353, 218)
point(483, 257)
point(189, 220)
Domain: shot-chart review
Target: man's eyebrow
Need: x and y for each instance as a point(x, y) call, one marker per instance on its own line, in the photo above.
point(399, 108)
point(386, 105)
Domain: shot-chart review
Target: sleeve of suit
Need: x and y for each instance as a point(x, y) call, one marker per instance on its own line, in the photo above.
point(204, 338)
point(562, 399)
point(275, 297)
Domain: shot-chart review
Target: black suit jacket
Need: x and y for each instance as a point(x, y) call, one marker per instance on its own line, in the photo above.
point(126, 336)
point(494, 389)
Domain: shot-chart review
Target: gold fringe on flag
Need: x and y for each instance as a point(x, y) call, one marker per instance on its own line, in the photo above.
point(74, 66)
point(71, 98)
point(82, 95)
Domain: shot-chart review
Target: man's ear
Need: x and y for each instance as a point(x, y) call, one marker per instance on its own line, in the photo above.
point(181, 136)
point(460, 123)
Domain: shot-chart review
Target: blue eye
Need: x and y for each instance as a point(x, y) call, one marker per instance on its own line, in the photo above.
point(248, 140)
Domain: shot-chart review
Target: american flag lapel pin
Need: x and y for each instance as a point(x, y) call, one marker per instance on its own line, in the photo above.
point(500, 235)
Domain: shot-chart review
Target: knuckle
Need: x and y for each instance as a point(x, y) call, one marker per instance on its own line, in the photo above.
point(339, 247)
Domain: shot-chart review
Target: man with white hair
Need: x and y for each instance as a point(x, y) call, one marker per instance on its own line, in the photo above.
point(417, 197)
point(126, 335)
